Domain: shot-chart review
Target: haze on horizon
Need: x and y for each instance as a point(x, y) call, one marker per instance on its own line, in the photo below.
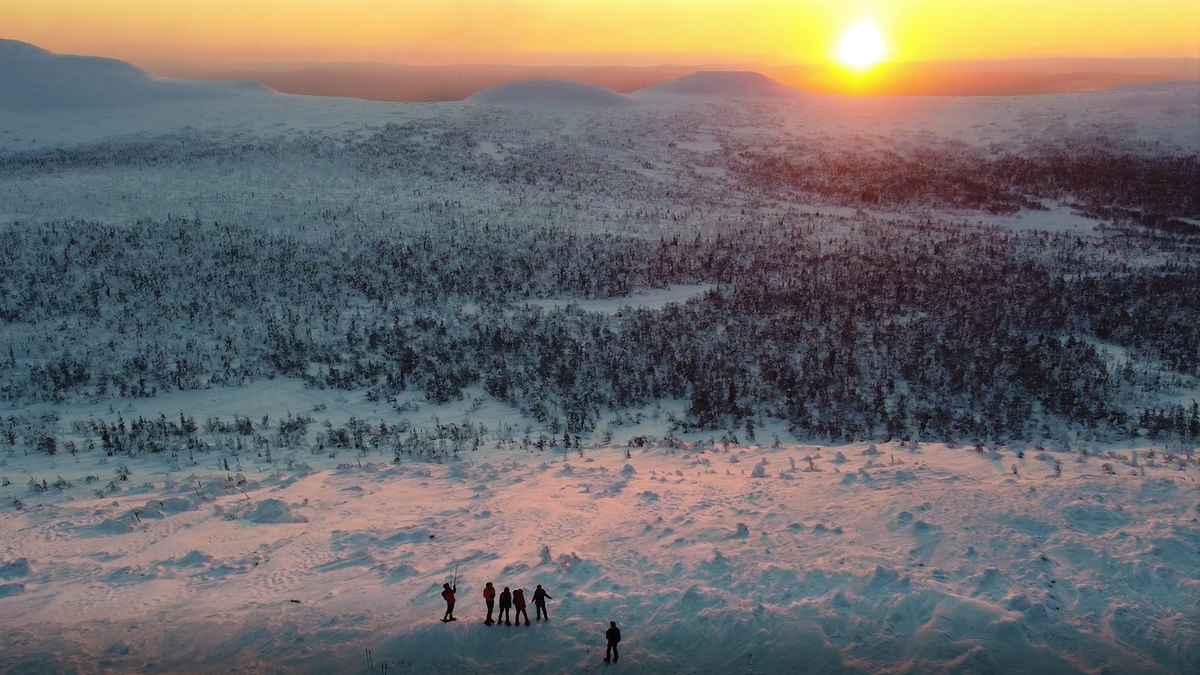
point(598, 32)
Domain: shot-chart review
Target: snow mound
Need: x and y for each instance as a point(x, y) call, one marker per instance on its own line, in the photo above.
point(724, 83)
point(15, 569)
point(274, 511)
point(760, 470)
point(157, 508)
point(549, 94)
point(1095, 519)
point(111, 526)
point(7, 590)
point(194, 558)
point(401, 572)
point(35, 80)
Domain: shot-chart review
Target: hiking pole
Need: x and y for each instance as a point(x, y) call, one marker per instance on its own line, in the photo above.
point(455, 584)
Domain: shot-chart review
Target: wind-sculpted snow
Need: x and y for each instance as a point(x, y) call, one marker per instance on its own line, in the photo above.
point(705, 568)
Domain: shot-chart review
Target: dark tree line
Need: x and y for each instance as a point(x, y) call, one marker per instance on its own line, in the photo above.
point(1117, 184)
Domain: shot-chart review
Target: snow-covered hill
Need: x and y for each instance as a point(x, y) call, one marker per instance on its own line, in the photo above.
point(722, 84)
point(549, 94)
point(33, 80)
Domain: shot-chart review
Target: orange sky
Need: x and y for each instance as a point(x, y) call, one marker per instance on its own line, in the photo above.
point(598, 31)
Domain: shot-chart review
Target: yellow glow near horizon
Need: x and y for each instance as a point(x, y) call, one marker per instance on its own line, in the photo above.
point(861, 46)
point(599, 31)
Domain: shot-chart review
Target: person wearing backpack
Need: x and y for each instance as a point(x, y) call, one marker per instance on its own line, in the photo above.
point(519, 605)
point(448, 592)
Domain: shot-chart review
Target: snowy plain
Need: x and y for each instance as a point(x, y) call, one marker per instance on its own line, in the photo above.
point(713, 557)
point(235, 551)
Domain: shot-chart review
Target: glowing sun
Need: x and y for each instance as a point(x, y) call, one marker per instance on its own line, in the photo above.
point(861, 46)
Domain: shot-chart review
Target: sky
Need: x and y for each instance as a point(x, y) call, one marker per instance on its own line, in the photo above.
point(598, 32)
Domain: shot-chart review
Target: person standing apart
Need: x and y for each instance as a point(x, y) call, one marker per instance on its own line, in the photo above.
point(613, 635)
point(540, 596)
point(489, 597)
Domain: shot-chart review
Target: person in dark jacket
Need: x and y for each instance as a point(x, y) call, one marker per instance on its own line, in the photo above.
point(489, 597)
point(448, 592)
point(519, 605)
point(613, 635)
point(505, 606)
point(540, 596)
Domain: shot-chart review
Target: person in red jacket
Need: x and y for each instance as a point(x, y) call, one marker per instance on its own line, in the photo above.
point(489, 597)
point(448, 592)
point(519, 605)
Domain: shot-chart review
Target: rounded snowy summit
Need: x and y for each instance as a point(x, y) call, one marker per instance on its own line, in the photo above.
point(723, 83)
point(33, 80)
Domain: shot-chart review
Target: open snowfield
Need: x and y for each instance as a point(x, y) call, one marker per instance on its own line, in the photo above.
point(273, 367)
point(712, 557)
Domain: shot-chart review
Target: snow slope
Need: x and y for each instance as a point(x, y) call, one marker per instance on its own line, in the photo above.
point(711, 557)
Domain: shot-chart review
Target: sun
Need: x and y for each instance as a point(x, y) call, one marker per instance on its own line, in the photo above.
point(861, 46)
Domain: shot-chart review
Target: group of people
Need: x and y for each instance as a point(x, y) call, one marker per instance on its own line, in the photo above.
point(514, 600)
point(510, 600)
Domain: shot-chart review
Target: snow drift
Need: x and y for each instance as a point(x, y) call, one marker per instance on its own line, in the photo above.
point(274, 511)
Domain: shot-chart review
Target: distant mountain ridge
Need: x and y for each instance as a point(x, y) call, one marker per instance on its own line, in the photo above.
point(34, 80)
point(558, 93)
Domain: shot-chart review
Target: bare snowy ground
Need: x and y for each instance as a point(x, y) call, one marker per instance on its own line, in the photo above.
point(654, 299)
point(711, 558)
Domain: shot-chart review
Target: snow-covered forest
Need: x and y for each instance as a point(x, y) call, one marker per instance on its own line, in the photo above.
point(781, 383)
point(897, 312)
